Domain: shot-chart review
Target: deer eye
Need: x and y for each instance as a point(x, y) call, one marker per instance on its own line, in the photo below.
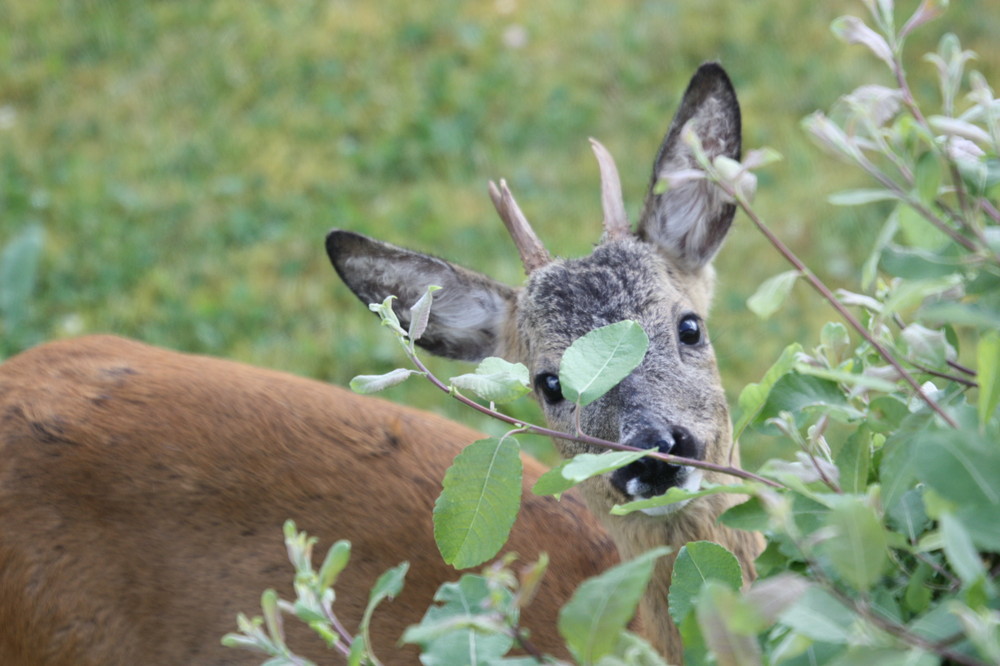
point(689, 330)
point(547, 384)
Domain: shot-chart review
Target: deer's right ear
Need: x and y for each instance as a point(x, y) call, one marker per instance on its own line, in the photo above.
point(689, 220)
point(468, 314)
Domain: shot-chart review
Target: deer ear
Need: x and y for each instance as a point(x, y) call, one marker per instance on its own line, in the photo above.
point(689, 220)
point(467, 315)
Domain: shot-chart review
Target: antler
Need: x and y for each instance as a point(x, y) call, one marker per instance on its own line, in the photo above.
point(616, 224)
point(533, 253)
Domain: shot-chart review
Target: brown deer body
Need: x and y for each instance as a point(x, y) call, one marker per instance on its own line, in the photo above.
point(661, 277)
point(142, 494)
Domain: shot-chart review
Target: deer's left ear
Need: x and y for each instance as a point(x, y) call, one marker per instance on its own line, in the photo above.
point(689, 220)
point(468, 314)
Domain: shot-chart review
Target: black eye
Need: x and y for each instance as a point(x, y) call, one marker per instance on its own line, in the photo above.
point(547, 384)
point(689, 330)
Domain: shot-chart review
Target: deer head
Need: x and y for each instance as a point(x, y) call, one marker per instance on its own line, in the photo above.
point(659, 276)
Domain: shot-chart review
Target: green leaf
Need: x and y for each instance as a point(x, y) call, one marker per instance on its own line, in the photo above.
point(420, 313)
point(772, 293)
point(988, 371)
point(896, 469)
point(272, 617)
point(388, 585)
point(851, 379)
point(960, 551)
point(596, 362)
point(751, 515)
point(602, 607)
point(927, 177)
point(796, 392)
point(916, 264)
point(861, 197)
point(582, 467)
point(553, 482)
point(869, 270)
point(980, 523)
point(721, 612)
point(675, 495)
point(495, 380)
point(964, 314)
point(631, 650)
point(388, 315)
point(853, 459)
point(451, 631)
point(962, 465)
point(773, 596)
point(910, 293)
point(586, 465)
point(835, 340)
point(753, 397)
point(908, 516)
point(334, 562)
point(858, 550)
point(917, 231)
point(698, 562)
point(365, 384)
point(820, 616)
point(479, 502)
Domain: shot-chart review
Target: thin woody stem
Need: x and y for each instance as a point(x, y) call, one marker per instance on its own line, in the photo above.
point(587, 439)
point(824, 291)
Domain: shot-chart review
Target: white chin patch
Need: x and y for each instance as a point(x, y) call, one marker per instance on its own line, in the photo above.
point(692, 482)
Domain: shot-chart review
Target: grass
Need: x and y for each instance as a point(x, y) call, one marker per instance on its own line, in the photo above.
point(185, 159)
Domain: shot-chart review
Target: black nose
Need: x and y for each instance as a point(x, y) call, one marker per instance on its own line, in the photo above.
point(651, 476)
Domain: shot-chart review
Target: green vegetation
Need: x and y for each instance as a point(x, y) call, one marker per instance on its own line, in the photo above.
point(180, 162)
point(882, 539)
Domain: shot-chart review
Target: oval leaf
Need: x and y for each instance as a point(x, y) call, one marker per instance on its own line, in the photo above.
point(495, 380)
point(772, 293)
point(420, 313)
point(334, 562)
point(700, 561)
point(374, 383)
point(601, 607)
point(859, 549)
point(596, 362)
point(988, 356)
point(582, 467)
point(448, 633)
point(860, 197)
point(478, 503)
point(721, 612)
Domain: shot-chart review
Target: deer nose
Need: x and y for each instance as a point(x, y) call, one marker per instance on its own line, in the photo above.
point(647, 477)
point(675, 440)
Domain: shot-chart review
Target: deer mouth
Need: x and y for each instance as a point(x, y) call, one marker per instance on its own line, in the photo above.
point(650, 477)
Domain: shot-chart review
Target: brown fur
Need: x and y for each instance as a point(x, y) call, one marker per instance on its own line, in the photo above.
point(142, 494)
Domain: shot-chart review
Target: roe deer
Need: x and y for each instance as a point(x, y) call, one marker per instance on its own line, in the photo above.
point(142, 494)
point(660, 276)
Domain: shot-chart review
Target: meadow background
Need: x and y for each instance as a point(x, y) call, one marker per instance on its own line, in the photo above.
point(173, 166)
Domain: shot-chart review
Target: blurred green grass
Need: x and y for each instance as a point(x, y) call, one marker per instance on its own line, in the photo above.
point(186, 158)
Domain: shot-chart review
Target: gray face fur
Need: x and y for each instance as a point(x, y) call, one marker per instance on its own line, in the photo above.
point(660, 277)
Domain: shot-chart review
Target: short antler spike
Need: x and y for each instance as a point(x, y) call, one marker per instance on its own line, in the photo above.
point(616, 224)
point(533, 253)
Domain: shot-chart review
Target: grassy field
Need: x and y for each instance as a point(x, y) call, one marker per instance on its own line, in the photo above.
point(183, 160)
